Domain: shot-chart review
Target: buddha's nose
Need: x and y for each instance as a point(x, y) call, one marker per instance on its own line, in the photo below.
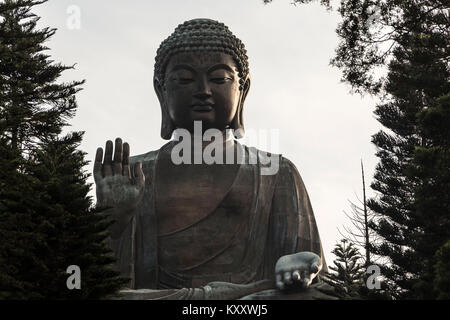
point(203, 90)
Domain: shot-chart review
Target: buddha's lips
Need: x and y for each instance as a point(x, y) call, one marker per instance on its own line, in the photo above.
point(202, 107)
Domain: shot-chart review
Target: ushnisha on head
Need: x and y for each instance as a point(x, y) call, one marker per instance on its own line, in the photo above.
point(205, 42)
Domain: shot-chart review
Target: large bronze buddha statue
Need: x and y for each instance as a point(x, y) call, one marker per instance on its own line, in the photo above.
point(206, 230)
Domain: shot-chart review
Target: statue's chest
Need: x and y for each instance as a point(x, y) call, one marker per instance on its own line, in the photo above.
point(203, 216)
point(186, 194)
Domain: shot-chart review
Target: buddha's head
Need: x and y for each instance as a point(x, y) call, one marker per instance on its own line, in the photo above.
point(201, 74)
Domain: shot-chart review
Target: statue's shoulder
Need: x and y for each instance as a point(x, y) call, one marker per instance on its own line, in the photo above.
point(268, 163)
point(266, 157)
point(287, 166)
point(147, 157)
point(289, 172)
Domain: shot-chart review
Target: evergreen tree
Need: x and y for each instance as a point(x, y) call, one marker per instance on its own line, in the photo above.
point(412, 177)
point(411, 39)
point(46, 223)
point(75, 234)
point(372, 30)
point(34, 105)
point(442, 269)
point(348, 275)
point(18, 241)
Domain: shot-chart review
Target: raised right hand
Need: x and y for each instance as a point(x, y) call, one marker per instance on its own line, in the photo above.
point(118, 185)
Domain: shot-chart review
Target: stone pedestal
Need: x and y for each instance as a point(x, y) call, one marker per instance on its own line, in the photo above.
point(261, 290)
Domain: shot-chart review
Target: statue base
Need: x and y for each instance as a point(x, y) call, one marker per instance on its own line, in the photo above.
point(261, 290)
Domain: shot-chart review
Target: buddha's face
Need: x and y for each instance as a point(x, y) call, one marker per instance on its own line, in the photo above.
point(201, 87)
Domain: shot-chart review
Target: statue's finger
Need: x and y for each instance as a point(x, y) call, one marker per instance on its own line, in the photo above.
point(315, 267)
point(107, 162)
point(139, 175)
point(117, 164)
point(305, 279)
point(98, 165)
point(296, 275)
point(278, 277)
point(279, 281)
point(288, 277)
point(126, 160)
point(280, 285)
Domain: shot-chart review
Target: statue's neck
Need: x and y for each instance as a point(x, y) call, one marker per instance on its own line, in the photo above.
point(213, 145)
point(201, 139)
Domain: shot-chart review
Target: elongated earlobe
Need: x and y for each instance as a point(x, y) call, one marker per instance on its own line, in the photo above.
point(167, 126)
point(238, 122)
point(238, 125)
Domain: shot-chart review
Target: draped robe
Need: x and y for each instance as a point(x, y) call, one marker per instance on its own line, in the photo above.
point(278, 220)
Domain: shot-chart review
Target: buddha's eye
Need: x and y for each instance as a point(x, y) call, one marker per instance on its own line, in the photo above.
point(182, 76)
point(221, 79)
point(220, 76)
point(183, 80)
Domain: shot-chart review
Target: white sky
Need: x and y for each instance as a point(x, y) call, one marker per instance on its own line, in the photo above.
point(324, 130)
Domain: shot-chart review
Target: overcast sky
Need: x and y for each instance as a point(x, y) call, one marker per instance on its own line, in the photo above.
point(324, 130)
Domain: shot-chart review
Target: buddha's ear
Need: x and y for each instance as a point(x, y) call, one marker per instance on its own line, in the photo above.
point(167, 126)
point(245, 90)
point(238, 121)
point(159, 90)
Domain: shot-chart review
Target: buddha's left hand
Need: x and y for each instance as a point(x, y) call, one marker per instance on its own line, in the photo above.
point(298, 269)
